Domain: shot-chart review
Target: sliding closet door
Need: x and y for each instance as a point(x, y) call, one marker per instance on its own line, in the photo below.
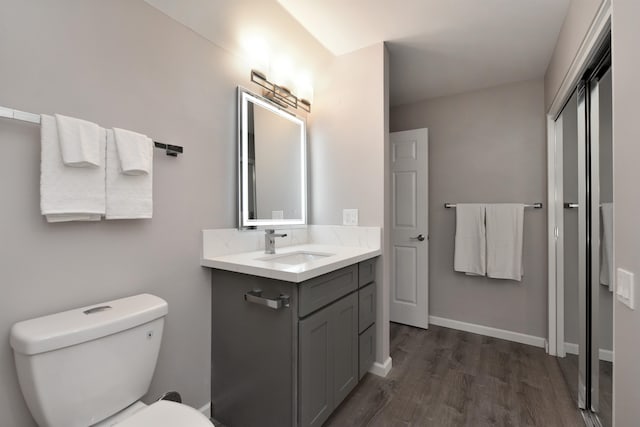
point(583, 249)
point(585, 240)
point(594, 237)
point(602, 256)
point(568, 347)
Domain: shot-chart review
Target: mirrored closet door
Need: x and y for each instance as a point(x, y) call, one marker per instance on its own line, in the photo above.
point(585, 233)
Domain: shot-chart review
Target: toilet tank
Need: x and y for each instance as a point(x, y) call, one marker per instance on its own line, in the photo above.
point(81, 366)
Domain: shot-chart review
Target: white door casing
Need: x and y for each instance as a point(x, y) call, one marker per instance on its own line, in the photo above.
point(409, 289)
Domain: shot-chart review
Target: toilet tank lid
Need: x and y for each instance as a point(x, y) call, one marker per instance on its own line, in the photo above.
point(84, 324)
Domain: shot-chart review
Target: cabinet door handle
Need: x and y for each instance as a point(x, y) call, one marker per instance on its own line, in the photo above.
point(255, 296)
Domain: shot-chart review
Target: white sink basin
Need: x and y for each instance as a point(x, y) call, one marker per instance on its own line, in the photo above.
point(295, 258)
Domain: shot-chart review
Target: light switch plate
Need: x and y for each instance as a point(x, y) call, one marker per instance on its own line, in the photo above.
point(277, 214)
point(625, 287)
point(350, 217)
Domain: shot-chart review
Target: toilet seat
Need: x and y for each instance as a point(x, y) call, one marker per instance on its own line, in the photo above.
point(164, 413)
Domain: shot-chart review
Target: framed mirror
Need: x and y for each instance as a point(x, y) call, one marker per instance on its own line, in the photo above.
point(272, 164)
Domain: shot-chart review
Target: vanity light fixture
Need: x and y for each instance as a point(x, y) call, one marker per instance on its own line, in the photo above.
point(279, 94)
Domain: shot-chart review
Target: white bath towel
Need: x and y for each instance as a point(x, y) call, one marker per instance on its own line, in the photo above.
point(505, 226)
point(470, 250)
point(128, 196)
point(79, 142)
point(606, 245)
point(135, 152)
point(69, 193)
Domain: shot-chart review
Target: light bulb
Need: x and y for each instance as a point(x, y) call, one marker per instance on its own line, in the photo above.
point(256, 53)
point(304, 87)
point(281, 71)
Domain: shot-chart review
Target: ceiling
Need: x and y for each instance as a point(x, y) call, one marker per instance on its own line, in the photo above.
point(440, 47)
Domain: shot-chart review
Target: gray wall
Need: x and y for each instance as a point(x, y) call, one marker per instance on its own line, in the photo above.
point(346, 137)
point(485, 146)
point(626, 175)
point(119, 63)
point(578, 20)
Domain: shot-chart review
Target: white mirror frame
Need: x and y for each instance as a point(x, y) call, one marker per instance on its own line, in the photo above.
point(244, 97)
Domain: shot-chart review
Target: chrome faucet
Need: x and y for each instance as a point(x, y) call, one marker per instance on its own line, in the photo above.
point(270, 240)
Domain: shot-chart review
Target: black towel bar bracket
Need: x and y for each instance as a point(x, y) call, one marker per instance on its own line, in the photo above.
point(171, 150)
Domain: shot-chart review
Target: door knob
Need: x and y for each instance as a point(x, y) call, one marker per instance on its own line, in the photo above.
point(419, 237)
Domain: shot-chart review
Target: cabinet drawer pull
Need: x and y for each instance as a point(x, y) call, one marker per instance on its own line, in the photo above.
point(277, 303)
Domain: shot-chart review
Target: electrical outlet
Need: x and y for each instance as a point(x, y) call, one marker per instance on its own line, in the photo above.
point(350, 217)
point(277, 214)
point(625, 288)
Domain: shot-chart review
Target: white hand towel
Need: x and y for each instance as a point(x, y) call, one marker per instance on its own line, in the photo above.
point(135, 152)
point(128, 196)
point(69, 193)
point(606, 245)
point(470, 251)
point(79, 142)
point(505, 226)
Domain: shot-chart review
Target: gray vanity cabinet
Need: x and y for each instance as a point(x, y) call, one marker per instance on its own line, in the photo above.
point(293, 361)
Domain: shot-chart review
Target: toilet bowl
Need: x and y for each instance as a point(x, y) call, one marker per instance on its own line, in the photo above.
point(90, 366)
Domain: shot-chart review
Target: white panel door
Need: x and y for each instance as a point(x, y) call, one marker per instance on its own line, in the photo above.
point(409, 299)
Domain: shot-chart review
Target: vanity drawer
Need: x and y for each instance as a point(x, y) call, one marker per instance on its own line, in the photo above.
point(366, 306)
point(321, 291)
point(367, 350)
point(366, 272)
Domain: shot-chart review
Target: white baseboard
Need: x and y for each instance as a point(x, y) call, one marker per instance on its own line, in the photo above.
point(488, 331)
point(606, 355)
point(206, 410)
point(381, 369)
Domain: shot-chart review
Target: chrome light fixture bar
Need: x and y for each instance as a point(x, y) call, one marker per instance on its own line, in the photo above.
point(278, 94)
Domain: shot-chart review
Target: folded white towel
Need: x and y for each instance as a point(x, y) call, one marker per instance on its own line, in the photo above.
point(470, 250)
point(128, 196)
point(606, 245)
point(69, 193)
point(79, 144)
point(73, 217)
point(505, 225)
point(135, 152)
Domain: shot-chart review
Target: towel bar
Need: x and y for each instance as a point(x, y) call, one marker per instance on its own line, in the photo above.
point(537, 205)
point(10, 113)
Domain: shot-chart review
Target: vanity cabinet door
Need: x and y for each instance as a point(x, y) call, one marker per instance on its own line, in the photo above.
point(328, 365)
point(315, 367)
point(345, 347)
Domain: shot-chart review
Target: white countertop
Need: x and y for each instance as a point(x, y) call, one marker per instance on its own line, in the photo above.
point(249, 262)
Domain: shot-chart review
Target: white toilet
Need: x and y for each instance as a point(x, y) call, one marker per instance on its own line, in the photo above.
point(90, 366)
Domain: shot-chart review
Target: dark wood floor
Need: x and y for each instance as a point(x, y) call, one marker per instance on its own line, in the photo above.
point(443, 377)
point(569, 368)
